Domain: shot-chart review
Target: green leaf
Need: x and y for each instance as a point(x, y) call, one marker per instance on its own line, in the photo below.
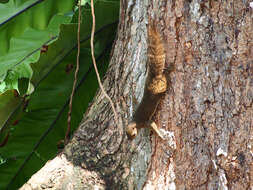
point(23, 84)
point(83, 2)
point(22, 36)
point(8, 106)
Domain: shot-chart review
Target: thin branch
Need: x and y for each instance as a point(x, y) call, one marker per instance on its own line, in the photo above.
point(94, 62)
point(76, 72)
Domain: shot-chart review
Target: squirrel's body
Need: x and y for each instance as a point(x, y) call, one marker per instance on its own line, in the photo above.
point(155, 86)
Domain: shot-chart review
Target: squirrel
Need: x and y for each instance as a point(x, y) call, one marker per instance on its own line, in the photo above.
point(155, 86)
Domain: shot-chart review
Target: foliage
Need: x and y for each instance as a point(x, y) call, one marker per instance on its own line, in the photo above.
point(37, 63)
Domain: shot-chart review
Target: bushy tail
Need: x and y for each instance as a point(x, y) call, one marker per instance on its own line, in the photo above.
point(156, 52)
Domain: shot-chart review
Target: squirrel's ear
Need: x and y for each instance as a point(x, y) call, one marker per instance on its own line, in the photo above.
point(131, 130)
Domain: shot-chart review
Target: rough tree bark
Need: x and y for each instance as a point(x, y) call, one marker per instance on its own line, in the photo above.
point(206, 113)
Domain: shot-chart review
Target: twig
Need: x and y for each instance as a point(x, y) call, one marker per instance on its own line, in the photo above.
point(94, 62)
point(76, 72)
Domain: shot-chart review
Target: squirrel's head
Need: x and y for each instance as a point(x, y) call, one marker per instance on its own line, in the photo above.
point(131, 130)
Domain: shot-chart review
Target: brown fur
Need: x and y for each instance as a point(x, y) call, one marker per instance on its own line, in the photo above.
point(156, 53)
point(155, 86)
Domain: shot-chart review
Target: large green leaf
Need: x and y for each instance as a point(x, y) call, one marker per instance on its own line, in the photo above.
point(17, 16)
point(8, 105)
point(24, 27)
point(33, 140)
point(22, 38)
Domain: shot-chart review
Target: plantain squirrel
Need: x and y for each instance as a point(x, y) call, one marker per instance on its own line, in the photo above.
point(155, 86)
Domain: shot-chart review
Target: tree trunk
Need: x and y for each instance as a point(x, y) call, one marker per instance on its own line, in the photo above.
point(206, 114)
